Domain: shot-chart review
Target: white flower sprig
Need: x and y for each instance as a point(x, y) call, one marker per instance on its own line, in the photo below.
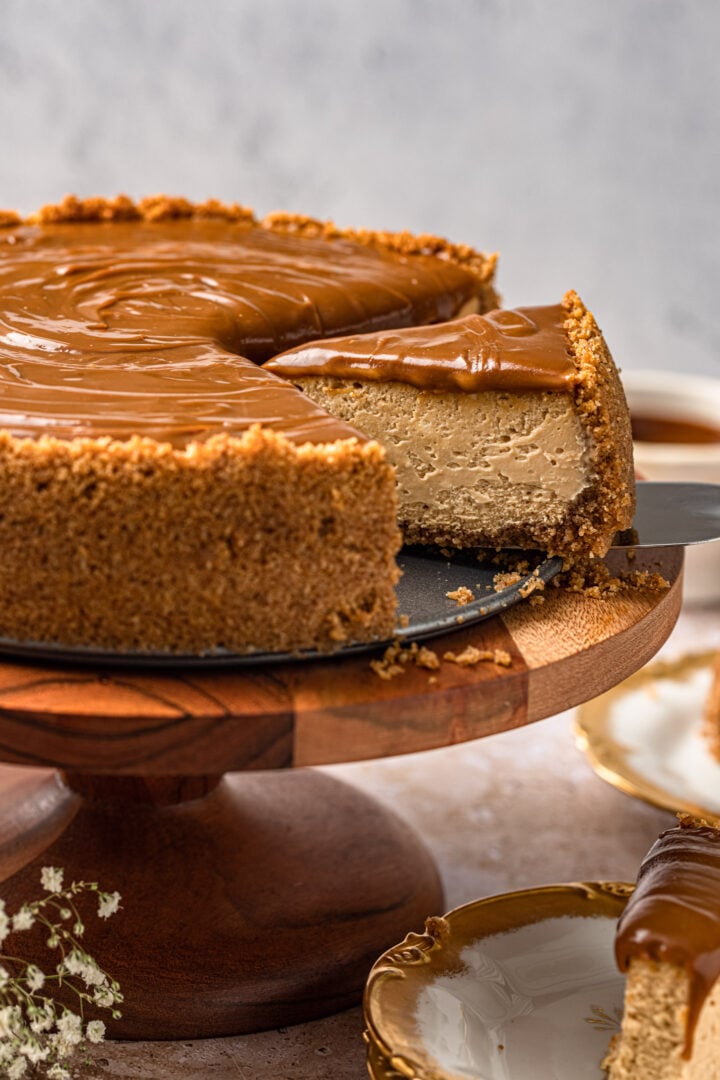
point(37, 1033)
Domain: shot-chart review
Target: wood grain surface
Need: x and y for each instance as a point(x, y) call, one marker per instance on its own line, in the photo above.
point(262, 902)
point(261, 899)
point(146, 723)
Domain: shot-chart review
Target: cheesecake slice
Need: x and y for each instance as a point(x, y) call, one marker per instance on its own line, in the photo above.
point(668, 942)
point(508, 429)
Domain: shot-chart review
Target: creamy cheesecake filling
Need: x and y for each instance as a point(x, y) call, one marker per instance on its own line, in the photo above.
point(499, 457)
point(498, 441)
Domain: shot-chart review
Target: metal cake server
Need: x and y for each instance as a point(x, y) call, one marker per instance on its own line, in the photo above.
point(673, 514)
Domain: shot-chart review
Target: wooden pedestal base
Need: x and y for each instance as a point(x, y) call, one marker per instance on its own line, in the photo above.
point(249, 902)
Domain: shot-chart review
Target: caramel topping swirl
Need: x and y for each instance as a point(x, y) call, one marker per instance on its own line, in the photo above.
point(510, 349)
point(156, 326)
point(674, 914)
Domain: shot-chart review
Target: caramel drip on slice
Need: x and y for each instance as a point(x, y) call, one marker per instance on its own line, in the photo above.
point(674, 914)
point(156, 328)
point(510, 349)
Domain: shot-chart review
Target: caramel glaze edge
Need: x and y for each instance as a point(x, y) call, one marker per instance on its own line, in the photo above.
point(155, 208)
point(167, 207)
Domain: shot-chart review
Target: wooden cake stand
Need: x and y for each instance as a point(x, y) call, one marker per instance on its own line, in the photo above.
point(262, 898)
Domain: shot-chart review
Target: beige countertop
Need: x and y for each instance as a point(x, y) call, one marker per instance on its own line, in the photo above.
point(513, 810)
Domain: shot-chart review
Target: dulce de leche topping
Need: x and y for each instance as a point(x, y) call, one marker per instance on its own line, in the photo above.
point(156, 328)
point(674, 914)
point(508, 349)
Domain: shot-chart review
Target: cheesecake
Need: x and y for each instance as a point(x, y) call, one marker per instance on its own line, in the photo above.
point(668, 944)
point(507, 429)
point(160, 490)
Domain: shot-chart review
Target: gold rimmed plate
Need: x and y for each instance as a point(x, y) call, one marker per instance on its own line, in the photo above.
point(510, 987)
point(646, 738)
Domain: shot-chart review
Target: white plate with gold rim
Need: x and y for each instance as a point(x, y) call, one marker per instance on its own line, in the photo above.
point(512, 987)
point(645, 736)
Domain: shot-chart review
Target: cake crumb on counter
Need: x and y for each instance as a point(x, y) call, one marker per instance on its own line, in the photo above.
point(472, 655)
point(396, 658)
point(386, 669)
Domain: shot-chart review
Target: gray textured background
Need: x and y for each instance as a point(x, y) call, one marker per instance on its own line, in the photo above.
point(578, 138)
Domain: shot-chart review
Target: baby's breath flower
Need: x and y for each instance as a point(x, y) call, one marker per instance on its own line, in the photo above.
point(60, 1046)
point(73, 963)
point(79, 963)
point(34, 978)
point(104, 997)
point(8, 1021)
point(4, 922)
point(33, 1051)
point(17, 1068)
point(92, 975)
point(42, 1019)
point(69, 1027)
point(108, 904)
point(51, 878)
point(57, 1072)
point(95, 1031)
point(23, 919)
point(37, 1033)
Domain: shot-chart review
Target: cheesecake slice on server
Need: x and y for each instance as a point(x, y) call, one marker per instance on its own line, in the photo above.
point(508, 429)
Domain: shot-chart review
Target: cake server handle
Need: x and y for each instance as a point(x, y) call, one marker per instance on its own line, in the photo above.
point(673, 514)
